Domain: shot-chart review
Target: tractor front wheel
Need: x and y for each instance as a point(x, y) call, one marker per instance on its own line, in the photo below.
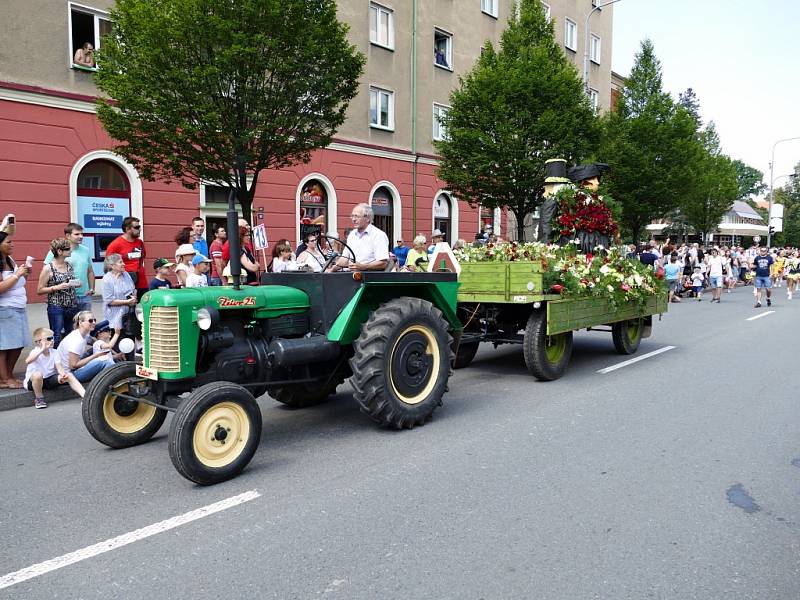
point(215, 433)
point(114, 421)
point(402, 362)
point(546, 356)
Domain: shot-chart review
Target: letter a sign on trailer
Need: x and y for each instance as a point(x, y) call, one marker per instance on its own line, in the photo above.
point(260, 237)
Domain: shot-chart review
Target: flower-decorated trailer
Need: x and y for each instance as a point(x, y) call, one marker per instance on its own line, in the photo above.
point(537, 295)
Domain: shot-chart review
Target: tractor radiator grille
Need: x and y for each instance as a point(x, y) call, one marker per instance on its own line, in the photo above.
point(163, 339)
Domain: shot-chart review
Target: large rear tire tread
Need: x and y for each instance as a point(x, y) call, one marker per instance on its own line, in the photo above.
point(189, 416)
point(626, 341)
point(535, 344)
point(374, 389)
point(142, 423)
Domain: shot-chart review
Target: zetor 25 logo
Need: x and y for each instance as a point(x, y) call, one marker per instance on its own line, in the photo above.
point(228, 302)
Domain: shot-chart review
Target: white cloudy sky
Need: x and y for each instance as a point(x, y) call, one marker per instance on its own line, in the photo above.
point(741, 58)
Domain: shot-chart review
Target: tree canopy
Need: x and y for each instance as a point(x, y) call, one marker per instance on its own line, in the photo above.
point(750, 180)
point(519, 106)
point(204, 90)
point(650, 142)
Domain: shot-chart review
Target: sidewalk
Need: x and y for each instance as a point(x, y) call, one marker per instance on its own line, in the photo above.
point(37, 317)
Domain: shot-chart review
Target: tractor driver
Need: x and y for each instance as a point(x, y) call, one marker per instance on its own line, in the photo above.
point(370, 244)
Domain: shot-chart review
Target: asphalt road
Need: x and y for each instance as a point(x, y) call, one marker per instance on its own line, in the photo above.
point(674, 477)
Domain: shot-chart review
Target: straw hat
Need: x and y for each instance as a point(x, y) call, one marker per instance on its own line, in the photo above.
point(184, 250)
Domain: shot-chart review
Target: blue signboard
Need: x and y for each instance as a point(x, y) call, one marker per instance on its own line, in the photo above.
point(102, 215)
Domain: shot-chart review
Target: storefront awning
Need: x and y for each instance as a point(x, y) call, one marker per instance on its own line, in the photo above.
point(742, 229)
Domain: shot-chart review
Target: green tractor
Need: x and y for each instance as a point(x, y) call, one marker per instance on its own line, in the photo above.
point(210, 352)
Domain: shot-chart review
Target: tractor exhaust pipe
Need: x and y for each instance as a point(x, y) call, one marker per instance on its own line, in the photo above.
point(233, 240)
point(284, 352)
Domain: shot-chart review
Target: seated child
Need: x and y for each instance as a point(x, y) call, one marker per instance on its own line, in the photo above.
point(44, 370)
point(105, 342)
point(283, 262)
point(161, 267)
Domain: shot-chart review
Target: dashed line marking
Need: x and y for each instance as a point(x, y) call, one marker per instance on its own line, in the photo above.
point(635, 360)
point(123, 540)
point(758, 316)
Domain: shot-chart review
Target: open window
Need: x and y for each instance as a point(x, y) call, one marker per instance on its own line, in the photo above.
point(87, 26)
point(443, 49)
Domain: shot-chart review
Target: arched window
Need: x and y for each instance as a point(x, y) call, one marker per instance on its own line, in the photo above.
point(443, 216)
point(103, 200)
point(383, 207)
point(487, 220)
point(314, 202)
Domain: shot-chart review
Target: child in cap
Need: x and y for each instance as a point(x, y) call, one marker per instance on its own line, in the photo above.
point(105, 341)
point(44, 370)
point(199, 278)
point(161, 267)
point(697, 283)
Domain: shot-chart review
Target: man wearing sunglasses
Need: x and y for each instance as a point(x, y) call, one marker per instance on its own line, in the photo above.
point(131, 248)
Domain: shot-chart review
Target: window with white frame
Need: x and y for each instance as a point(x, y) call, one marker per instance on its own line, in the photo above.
point(443, 49)
point(546, 7)
point(381, 25)
point(571, 35)
point(381, 108)
point(87, 26)
point(439, 129)
point(594, 48)
point(489, 7)
point(594, 99)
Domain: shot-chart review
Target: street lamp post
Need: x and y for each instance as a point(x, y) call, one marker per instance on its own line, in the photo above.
point(598, 6)
point(772, 185)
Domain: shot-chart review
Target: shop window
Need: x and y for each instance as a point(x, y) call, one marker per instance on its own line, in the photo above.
point(487, 219)
point(102, 174)
point(314, 203)
point(439, 129)
point(381, 26)
point(383, 209)
point(87, 26)
point(443, 49)
point(381, 108)
point(442, 215)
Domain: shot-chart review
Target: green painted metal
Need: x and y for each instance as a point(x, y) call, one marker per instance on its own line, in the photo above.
point(260, 302)
point(516, 282)
point(579, 313)
point(347, 326)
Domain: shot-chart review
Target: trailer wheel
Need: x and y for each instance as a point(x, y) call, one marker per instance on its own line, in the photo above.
point(465, 354)
point(627, 335)
point(114, 421)
point(307, 394)
point(546, 356)
point(402, 363)
point(215, 433)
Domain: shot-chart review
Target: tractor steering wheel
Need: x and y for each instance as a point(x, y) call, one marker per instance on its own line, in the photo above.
point(335, 255)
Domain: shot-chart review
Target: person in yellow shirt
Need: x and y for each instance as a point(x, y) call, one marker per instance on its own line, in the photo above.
point(417, 259)
point(777, 268)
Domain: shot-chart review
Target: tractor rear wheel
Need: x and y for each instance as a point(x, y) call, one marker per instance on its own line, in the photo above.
point(627, 335)
point(114, 421)
point(215, 433)
point(546, 356)
point(402, 362)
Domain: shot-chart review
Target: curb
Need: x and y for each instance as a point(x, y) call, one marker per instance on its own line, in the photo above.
point(12, 399)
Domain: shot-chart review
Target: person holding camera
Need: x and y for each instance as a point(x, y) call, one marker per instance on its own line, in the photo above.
point(119, 291)
point(13, 299)
point(59, 282)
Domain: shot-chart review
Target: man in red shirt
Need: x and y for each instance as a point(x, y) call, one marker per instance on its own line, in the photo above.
point(226, 247)
point(131, 248)
point(218, 265)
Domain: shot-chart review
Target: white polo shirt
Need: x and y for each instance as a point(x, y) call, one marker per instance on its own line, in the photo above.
point(370, 246)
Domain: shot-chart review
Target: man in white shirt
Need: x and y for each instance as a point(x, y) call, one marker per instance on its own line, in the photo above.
point(370, 244)
point(715, 274)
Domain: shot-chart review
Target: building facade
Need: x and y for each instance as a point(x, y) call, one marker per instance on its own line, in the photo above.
point(56, 163)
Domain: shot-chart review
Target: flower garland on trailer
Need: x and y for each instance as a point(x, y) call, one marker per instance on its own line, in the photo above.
point(580, 209)
point(606, 273)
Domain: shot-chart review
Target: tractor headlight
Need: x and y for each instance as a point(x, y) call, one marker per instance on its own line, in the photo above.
point(139, 313)
point(207, 317)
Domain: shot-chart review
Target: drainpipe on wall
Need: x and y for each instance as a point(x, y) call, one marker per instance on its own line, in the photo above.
point(414, 118)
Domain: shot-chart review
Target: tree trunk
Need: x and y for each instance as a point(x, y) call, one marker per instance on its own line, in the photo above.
point(520, 226)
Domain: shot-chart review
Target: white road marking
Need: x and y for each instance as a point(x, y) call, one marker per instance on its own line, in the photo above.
point(635, 360)
point(758, 316)
point(123, 540)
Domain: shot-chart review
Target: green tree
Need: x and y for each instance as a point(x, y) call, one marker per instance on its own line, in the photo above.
point(518, 107)
point(750, 180)
point(714, 188)
point(220, 91)
point(650, 142)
